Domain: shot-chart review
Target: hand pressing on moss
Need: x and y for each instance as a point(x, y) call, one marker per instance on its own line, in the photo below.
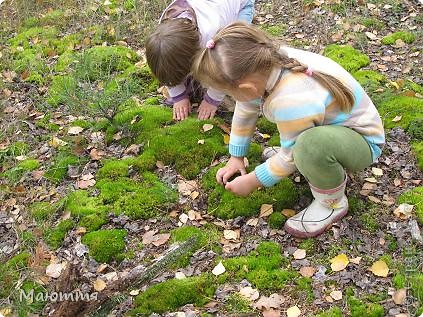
point(234, 165)
point(181, 109)
point(206, 110)
point(244, 185)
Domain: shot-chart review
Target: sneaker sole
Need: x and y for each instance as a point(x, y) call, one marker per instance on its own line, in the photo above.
point(302, 234)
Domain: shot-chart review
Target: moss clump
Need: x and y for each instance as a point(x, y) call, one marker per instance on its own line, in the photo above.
point(369, 79)
point(10, 272)
point(62, 89)
point(276, 220)
point(208, 235)
point(31, 37)
point(237, 304)
point(266, 126)
point(418, 150)
point(15, 149)
point(275, 30)
point(30, 61)
point(406, 37)
point(409, 108)
point(46, 124)
point(27, 307)
point(308, 244)
point(59, 167)
point(415, 129)
point(80, 204)
point(359, 309)
point(261, 267)
point(172, 294)
point(399, 281)
point(178, 145)
point(356, 205)
point(148, 200)
point(41, 211)
point(100, 62)
point(65, 60)
point(414, 197)
point(275, 140)
point(14, 174)
point(347, 56)
point(416, 282)
point(333, 312)
point(304, 288)
point(105, 245)
point(55, 236)
point(114, 169)
point(226, 205)
point(93, 222)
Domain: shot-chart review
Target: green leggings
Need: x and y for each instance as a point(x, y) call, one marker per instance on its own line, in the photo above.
point(322, 153)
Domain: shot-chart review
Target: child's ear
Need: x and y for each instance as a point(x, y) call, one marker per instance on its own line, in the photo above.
point(248, 86)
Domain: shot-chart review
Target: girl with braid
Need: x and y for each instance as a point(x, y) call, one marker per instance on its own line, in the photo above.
point(185, 26)
point(327, 123)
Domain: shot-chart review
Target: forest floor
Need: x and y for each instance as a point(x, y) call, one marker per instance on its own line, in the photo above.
point(104, 196)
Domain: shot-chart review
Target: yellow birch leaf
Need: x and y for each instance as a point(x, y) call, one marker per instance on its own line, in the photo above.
point(379, 268)
point(339, 262)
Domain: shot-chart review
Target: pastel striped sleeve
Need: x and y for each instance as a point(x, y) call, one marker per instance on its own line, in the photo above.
point(291, 120)
point(243, 126)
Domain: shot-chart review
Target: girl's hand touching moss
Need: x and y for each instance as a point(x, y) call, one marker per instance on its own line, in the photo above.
point(234, 165)
point(244, 185)
point(181, 109)
point(206, 110)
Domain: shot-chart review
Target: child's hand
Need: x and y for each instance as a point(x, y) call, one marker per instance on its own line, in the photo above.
point(234, 165)
point(181, 109)
point(206, 110)
point(244, 185)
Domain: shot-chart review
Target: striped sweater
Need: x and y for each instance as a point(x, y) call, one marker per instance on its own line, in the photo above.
point(297, 103)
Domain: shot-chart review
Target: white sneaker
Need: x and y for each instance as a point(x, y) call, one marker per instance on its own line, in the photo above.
point(329, 206)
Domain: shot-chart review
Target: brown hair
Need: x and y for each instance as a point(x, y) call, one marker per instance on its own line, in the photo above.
point(241, 50)
point(170, 50)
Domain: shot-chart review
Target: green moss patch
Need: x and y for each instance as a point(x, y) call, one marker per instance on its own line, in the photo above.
point(207, 235)
point(55, 236)
point(262, 267)
point(277, 220)
point(172, 294)
point(418, 150)
point(347, 56)
point(41, 210)
point(100, 61)
point(358, 308)
point(105, 245)
point(62, 89)
point(333, 312)
point(369, 79)
point(406, 37)
point(15, 174)
point(409, 108)
point(225, 205)
point(10, 272)
point(414, 197)
point(275, 30)
point(59, 167)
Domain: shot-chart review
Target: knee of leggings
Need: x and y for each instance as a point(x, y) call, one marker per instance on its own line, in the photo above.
point(307, 150)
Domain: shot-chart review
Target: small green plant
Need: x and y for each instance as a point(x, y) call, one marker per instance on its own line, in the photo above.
point(105, 245)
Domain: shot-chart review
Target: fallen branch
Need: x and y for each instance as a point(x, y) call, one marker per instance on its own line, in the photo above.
point(118, 291)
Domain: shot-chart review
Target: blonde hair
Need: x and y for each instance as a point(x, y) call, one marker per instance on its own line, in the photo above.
point(240, 50)
point(170, 50)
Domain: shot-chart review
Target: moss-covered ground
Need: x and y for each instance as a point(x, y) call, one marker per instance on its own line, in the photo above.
point(90, 162)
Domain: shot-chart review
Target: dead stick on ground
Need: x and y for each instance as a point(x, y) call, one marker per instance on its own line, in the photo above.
point(116, 292)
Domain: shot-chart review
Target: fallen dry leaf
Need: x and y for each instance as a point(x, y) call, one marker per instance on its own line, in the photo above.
point(226, 139)
point(265, 210)
point(231, 234)
point(307, 271)
point(187, 187)
point(96, 154)
point(293, 311)
point(134, 292)
point(271, 312)
point(160, 239)
point(253, 222)
point(379, 268)
point(99, 285)
point(371, 180)
point(54, 270)
point(249, 293)
point(207, 127)
point(183, 218)
point(339, 262)
point(75, 130)
point(397, 119)
point(288, 212)
point(377, 171)
point(336, 295)
point(84, 184)
point(200, 141)
point(356, 260)
point(399, 296)
point(403, 211)
point(299, 254)
point(56, 142)
point(180, 275)
point(266, 303)
point(219, 269)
